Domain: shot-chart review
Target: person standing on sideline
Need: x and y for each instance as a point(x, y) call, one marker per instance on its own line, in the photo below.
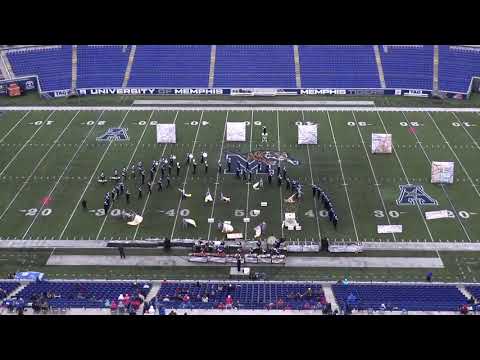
point(122, 252)
point(429, 276)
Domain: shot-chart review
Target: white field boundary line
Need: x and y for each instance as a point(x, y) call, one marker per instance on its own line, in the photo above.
point(455, 154)
point(14, 126)
point(377, 185)
point(38, 163)
point(313, 183)
point(441, 185)
point(25, 144)
point(247, 215)
point(90, 181)
point(63, 173)
point(406, 178)
point(343, 178)
point(218, 175)
point(153, 181)
point(147, 124)
point(186, 176)
point(237, 108)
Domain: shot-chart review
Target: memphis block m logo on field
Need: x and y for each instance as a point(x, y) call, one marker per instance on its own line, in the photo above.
point(114, 134)
point(414, 194)
point(256, 158)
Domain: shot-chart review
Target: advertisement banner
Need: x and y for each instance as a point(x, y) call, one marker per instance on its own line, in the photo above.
point(31, 83)
point(27, 83)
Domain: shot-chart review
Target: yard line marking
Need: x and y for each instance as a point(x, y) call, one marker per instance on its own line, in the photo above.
point(281, 193)
point(218, 174)
point(311, 177)
point(63, 173)
point(14, 126)
point(25, 144)
point(343, 177)
point(468, 133)
point(128, 167)
point(373, 173)
point(406, 178)
point(454, 154)
point(37, 166)
point(90, 180)
point(186, 176)
point(248, 183)
point(153, 182)
point(443, 187)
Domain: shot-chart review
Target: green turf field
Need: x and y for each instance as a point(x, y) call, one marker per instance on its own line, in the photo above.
point(56, 154)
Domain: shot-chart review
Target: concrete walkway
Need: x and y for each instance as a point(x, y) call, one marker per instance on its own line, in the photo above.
point(303, 261)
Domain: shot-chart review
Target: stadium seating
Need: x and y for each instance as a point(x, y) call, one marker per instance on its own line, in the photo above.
point(338, 66)
point(255, 66)
point(408, 67)
point(245, 295)
point(101, 66)
point(325, 66)
point(53, 65)
point(170, 66)
point(409, 297)
point(80, 294)
point(456, 67)
point(9, 286)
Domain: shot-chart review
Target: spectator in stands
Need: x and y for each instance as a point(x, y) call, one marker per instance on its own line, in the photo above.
point(308, 293)
point(113, 306)
point(145, 290)
point(151, 310)
point(464, 309)
point(205, 298)
point(161, 310)
point(120, 297)
point(221, 306)
point(229, 301)
point(106, 303)
point(121, 307)
point(3, 294)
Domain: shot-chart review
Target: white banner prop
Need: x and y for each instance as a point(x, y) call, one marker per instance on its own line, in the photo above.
point(381, 143)
point(442, 172)
point(439, 214)
point(166, 134)
point(307, 134)
point(236, 131)
point(388, 229)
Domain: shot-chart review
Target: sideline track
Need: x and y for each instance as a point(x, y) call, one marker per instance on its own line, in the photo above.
point(238, 108)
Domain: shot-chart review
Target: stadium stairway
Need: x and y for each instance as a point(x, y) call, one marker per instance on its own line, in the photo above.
point(296, 56)
point(329, 296)
point(153, 292)
point(74, 66)
point(378, 59)
point(128, 70)
point(213, 58)
point(5, 66)
point(464, 291)
point(17, 290)
point(435, 67)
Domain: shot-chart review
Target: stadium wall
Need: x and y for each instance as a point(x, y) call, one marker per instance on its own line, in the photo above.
point(251, 92)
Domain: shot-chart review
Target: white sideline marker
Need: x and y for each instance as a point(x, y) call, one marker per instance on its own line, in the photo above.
point(263, 204)
point(246, 220)
point(211, 220)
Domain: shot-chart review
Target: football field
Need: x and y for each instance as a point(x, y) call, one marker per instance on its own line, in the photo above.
point(50, 161)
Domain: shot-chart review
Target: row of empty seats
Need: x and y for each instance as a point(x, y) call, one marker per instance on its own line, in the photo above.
point(321, 66)
point(399, 297)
